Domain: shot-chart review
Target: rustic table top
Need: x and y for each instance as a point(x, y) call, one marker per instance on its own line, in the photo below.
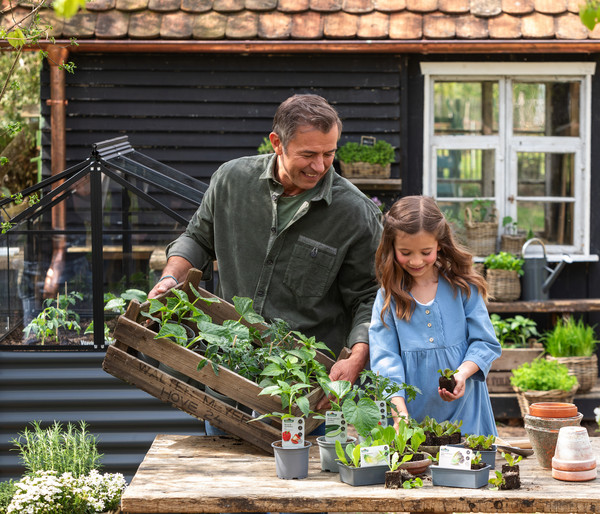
point(194, 474)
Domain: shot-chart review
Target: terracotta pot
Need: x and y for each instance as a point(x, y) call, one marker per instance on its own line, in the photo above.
point(574, 458)
point(543, 433)
point(553, 410)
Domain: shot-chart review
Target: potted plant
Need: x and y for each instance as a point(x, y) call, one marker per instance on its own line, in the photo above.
point(503, 270)
point(513, 239)
point(481, 227)
point(440, 434)
point(510, 476)
point(459, 467)
point(573, 343)
point(484, 445)
point(447, 380)
point(369, 159)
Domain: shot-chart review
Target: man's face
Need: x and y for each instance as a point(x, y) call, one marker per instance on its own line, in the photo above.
point(306, 159)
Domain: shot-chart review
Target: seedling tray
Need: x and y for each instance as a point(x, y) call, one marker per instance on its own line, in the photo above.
point(133, 356)
point(466, 478)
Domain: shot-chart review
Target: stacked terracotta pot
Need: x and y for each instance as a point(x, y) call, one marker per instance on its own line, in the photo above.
point(573, 459)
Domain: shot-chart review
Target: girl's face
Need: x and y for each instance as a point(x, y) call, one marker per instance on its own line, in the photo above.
point(416, 253)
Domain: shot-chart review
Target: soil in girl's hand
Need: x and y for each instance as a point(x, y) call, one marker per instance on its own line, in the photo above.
point(447, 383)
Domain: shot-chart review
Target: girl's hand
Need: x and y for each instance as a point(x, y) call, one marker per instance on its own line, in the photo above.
point(465, 370)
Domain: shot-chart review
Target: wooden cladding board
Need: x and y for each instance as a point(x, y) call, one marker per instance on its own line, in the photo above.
point(498, 379)
point(170, 373)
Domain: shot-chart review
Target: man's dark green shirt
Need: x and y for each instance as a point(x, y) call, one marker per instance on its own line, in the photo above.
point(316, 273)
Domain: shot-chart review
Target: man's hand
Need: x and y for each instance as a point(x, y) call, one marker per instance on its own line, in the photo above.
point(348, 369)
point(176, 267)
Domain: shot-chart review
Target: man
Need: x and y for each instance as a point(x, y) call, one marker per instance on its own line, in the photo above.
point(291, 234)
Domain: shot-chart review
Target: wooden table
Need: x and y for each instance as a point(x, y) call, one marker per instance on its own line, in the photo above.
point(194, 474)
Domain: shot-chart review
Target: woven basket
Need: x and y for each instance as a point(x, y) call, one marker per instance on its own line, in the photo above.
point(512, 244)
point(504, 285)
point(481, 235)
point(479, 268)
point(365, 170)
point(526, 398)
point(584, 368)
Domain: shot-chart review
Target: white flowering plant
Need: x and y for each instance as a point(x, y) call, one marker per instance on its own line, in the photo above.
point(47, 492)
point(597, 413)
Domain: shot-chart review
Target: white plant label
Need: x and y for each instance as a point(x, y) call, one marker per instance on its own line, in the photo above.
point(336, 428)
point(453, 457)
point(375, 456)
point(292, 432)
point(383, 421)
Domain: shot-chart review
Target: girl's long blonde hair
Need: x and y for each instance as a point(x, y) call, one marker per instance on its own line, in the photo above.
point(413, 214)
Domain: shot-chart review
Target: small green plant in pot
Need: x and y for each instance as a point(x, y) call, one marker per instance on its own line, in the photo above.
point(370, 158)
point(516, 332)
point(447, 380)
point(503, 270)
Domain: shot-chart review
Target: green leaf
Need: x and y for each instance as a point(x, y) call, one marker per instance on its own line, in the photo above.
point(243, 307)
point(173, 331)
point(364, 414)
point(588, 16)
point(16, 38)
point(67, 8)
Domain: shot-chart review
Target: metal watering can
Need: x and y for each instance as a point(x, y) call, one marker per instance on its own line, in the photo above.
point(537, 276)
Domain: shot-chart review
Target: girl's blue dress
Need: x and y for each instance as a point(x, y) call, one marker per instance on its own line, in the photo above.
point(449, 331)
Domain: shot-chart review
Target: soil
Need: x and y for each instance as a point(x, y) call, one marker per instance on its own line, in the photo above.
point(395, 479)
point(447, 383)
point(512, 477)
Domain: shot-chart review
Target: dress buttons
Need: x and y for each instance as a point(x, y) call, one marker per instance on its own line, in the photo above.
point(427, 311)
point(429, 325)
point(431, 339)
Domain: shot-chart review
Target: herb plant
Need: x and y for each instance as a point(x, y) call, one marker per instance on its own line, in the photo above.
point(514, 332)
point(497, 481)
point(570, 338)
point(505, 261)
point(479, 442)
point(379, 153)
point(542, 375)
point(511, 460)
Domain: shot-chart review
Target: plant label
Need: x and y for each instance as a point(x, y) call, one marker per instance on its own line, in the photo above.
point(375, 456)
point(292, 432)
point(335, 426)
point(383, 421)
point(453, 457)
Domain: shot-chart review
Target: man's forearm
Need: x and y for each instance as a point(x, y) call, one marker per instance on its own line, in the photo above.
point(173, 273)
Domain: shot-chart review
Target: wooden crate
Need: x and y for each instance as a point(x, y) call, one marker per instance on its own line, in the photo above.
point(498, 379)
point(133, 337)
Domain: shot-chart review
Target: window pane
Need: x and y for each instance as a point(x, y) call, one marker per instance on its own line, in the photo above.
point(462, 108)
point(545, 174)
point(551, 222)
point(465, 173)
point(546, 109)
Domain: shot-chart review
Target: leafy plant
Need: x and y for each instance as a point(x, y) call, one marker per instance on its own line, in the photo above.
point(514, 332)
point(496, 481)
point(589, 13)
point(483, 210)
point(265, 147)
point(350, 456)
point(511, 460)
point(570, 338)
point(476, 458)
point(7, 491)
point(504, 260)
point(55, 316)
point(72, 450)
point(379, 153)
point(479, 442)
point(542, 375)
point(447, 372)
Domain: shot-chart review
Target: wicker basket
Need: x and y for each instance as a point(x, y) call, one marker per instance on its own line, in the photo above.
point(504, 285)
point(481, 235)
point(512, 244)
point(479, 268)
point(365, 170)
point(526, 398)
point(584, 368)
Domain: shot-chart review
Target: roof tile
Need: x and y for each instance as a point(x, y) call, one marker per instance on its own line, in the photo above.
point(112, 25)
point(569, 26)
point(518, 6)
point(390, 5)
point(551, 6)
point(242, 25)
point(454, 6)
point(292, 6)
point(326, 5)
point(505, 26)
point(227, 6)
point(144, 25)
point(308, 25)
point(176, 25)
point(12, 16)
point(211, 25)
point(196, 6)
point(406, 25)
point(575, 5)
point(340, 26)
point(82, 25)
point(130, 5)
point(164, 5)
point(595, 34)
point(274, 25)
point(439, 26)
point(102, 5)
point(373, 26)
point(422, 5)
point(48, 18)
point(470, 27)
point(537, 26)
point(486, 7)
point(357, 6)
point(261, 5)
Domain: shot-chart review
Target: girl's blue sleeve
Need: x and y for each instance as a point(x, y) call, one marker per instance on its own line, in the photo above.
point(484, 347)
point(384, 346)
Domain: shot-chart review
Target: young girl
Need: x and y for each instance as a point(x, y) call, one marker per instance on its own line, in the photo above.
point(430, 314)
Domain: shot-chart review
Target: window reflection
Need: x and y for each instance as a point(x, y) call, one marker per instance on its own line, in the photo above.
point(545, 174)
point(465, 173)
point(551, 222)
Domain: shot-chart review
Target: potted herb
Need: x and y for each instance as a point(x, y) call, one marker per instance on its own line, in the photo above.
point(460, 467)
point(503, 270)
point(510, 476)
point(482, 444)
point(481, 226)
point(440, 434)
point(369, 159)
point(447, 380)
point(573, 343)
point(513, 239)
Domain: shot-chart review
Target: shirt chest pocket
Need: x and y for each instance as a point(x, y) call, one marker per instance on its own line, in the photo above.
point(310, 267)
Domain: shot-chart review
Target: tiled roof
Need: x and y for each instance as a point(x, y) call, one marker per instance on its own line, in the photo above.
point(306, 20)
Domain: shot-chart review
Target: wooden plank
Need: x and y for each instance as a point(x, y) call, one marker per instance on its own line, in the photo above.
point(499, 382)
point(547, 306)
point(190, 474)
point(188, 399)
point(511, 358)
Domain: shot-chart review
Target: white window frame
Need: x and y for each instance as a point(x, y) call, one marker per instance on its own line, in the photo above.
point(506, 145)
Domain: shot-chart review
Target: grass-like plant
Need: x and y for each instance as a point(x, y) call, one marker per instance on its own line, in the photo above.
point(55, 448)
point(570, 338)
